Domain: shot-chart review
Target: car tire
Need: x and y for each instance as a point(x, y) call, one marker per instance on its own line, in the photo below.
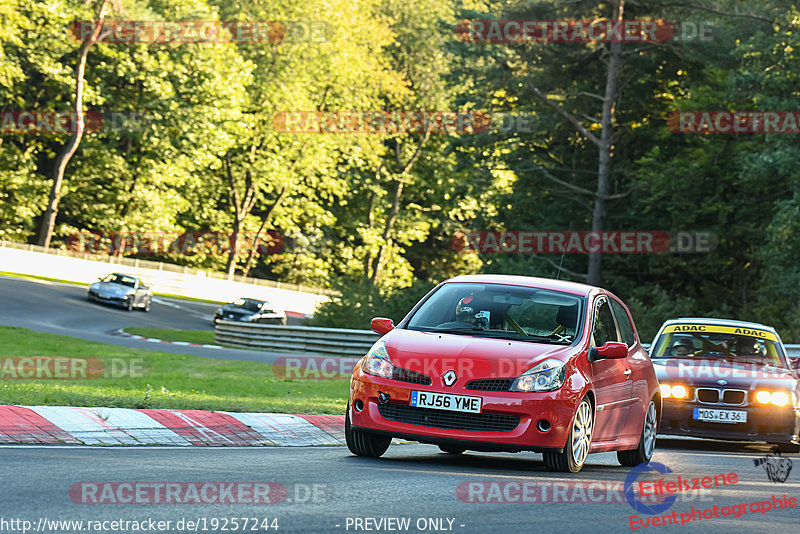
point(572, 458)
point(146, 307)
point(363, 443)
point(647, 441)
point(129, 304)
point(451, 449)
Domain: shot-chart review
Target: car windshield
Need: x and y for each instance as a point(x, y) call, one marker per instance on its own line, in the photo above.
point(120, 279)
point(724, 345)
point(501, 311)
point(248, 304)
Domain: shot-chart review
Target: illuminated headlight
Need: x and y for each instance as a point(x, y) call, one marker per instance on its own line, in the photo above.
point(377, 361)
point(778, 398)
point(545, 376)
point(677, 392)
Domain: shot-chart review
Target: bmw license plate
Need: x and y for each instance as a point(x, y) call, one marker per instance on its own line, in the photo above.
point(445, 401)
point(720, 416)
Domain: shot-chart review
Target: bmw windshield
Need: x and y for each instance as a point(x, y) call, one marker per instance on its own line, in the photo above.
point(501, 311)
point(732, 347)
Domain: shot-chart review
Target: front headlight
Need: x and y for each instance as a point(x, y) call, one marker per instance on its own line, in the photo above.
point(677, 392)
point(546, 376)
point(778, 398)
point(377, 361)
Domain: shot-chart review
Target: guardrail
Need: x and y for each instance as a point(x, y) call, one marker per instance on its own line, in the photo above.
point(311, 340)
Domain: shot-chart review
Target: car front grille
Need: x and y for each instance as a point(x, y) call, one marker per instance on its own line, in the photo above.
point(730, 397)
point(708, 395)
point(490, 384)
point(733, 396)
point(407, 375)
point(480, 422)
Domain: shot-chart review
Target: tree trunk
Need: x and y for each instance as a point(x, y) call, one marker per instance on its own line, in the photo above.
point(606, 149)
point(241, 206)
point(264, 220)
point(49, 217)
point(377, 263)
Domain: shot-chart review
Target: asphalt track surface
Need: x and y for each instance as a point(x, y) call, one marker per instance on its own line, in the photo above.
point(326, 485)
point(59, 308)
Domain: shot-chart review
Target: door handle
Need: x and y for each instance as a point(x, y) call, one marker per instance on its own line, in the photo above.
point(627, 372)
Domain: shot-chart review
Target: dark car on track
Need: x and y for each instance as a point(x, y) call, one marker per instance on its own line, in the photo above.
point(121, 290)
point(725, 379)
point(508, 363)
point(251, 311)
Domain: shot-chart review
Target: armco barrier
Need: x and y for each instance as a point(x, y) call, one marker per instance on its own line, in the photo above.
point(309, 340)
point(313, 340)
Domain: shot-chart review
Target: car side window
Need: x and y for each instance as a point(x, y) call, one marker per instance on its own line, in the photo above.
point(604, 328)
point(625, 327)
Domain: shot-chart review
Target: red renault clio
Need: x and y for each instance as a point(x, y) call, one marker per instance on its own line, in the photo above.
point(509, 363)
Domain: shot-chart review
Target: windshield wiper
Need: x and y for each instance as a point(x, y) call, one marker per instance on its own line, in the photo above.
point(501, 334)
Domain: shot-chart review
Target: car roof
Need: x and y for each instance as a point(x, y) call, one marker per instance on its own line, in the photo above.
point(123, 274)
point(720, 322)
point(527, 281)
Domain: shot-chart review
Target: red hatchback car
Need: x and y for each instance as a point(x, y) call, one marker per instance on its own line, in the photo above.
point(509, 363)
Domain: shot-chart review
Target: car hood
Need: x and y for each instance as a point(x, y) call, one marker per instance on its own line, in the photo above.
point(112, 287)
point(470, 357)
point(716, 373)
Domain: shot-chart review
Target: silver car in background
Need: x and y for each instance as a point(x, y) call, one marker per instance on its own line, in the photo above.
point(121, 290)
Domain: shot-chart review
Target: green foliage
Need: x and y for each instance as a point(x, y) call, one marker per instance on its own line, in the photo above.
point(373, 214)
point(358, 303)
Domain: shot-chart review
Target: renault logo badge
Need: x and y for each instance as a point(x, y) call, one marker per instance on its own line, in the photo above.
point(449, 378)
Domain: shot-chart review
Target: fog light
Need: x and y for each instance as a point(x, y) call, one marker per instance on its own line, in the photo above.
point(779, 398)
point(665, 391)
point(543, 425)
point(679, 392)
point(764, 397)
point(358, 405)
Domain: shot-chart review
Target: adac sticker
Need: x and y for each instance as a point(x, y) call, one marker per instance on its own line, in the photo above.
point(716, 329)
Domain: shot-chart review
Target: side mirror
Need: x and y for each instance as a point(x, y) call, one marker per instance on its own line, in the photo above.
point(795, 363)
point(611, 350)
point(381, 325)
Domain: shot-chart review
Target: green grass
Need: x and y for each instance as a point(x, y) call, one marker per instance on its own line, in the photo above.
point(37, 277)
point(204, 337)
point(177, 381)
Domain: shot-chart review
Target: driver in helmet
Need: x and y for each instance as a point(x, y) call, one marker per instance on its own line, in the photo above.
point(467, 312)
point(682, 347)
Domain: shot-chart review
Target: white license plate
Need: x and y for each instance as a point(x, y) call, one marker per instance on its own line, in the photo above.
point(445, 401)
point(720, 416)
